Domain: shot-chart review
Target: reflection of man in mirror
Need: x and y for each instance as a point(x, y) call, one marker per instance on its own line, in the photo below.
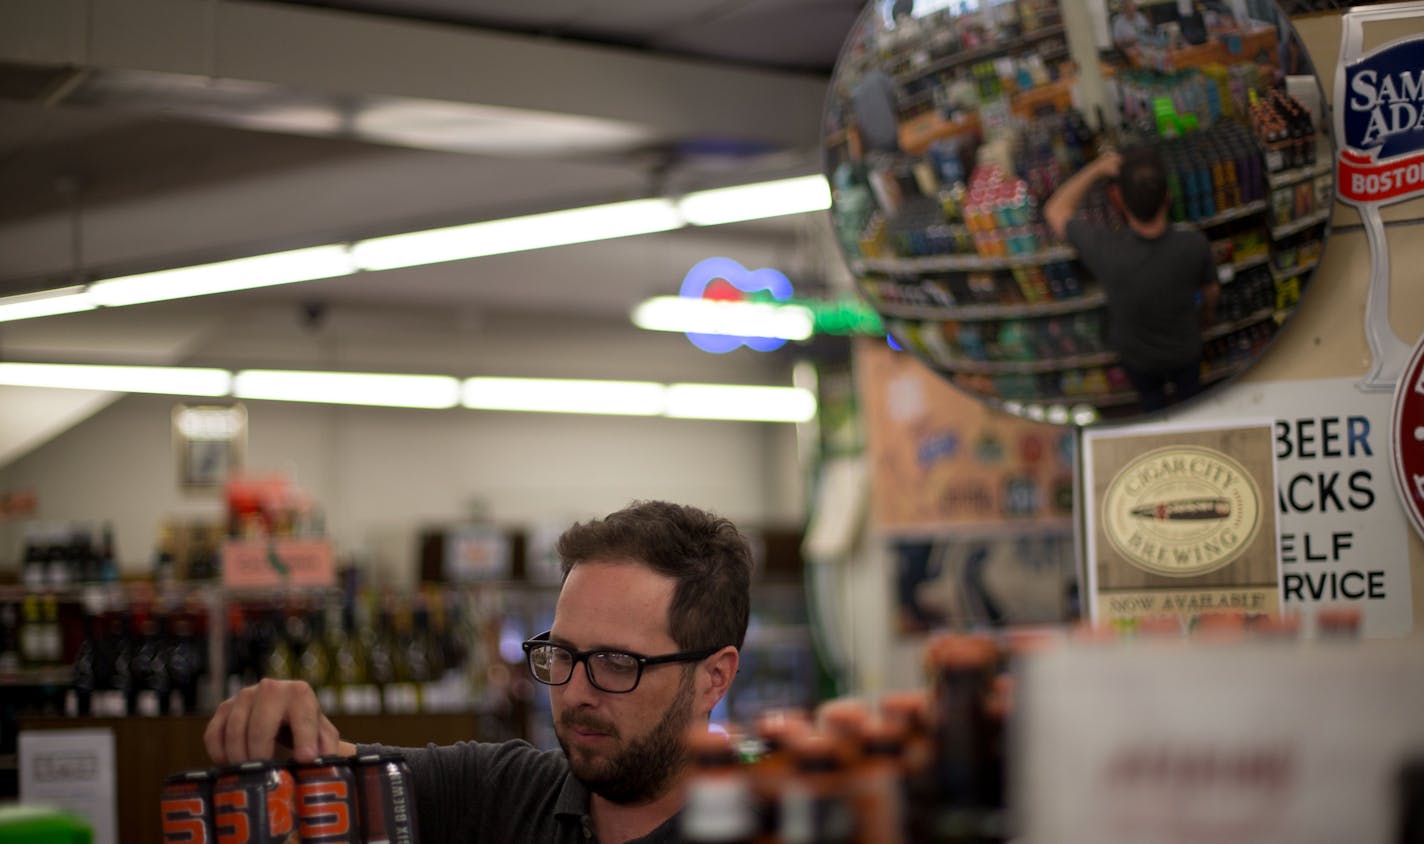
point(1130, 25)
point(1152, 272)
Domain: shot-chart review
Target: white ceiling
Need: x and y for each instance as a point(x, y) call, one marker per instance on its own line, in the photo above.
point(139, 134)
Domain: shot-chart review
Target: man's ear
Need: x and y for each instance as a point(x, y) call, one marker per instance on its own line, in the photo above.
point(715, 676)
point(1115, 197)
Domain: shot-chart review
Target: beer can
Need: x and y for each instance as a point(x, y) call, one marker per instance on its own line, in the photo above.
point(186, 803)
point(387, 800)
point(326, 801)
point(255, 803)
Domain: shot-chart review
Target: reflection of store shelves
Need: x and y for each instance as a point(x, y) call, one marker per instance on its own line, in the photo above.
point(963, 263)
point(1118, 399)
point(1220, 372)
point(1227, 328)
point(962, 57)
point(58, 676)
point(1298, 269)
point(1026, 367)
point(1278, 232)
point(971, 313)
point(1029, 526)
point(1231, 214)
point(1287, 177)
point(917, 133)
point(1243, 265)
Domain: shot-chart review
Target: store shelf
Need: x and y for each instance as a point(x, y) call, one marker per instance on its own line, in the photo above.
point(1026, 367)
point(1289, 177)
point(962, 263)
point(1230, 214)
point(917, 133)
point(1029, 526)
point(57, 676)
point(988, 51)
point(1227, 328)
point(1242, 266)
point(975, 313)
point(1298, 269)
point(1278, 232)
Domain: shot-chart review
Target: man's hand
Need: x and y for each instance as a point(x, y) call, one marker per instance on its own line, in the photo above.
point(249, 725)
point(1059, 208)
point(1107, 165)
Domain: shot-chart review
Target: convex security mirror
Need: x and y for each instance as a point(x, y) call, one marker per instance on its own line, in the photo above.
point(953, 136)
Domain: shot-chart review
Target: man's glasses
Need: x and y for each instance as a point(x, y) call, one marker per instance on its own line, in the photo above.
point(617, 672)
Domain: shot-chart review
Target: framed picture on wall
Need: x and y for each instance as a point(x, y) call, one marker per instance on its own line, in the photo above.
point(209, 441)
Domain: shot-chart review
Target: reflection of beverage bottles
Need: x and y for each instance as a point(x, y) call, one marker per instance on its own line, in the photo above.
point(322, 656)
point(280, 661)
point(358, 695)
point(186, 660)
point(150, 673)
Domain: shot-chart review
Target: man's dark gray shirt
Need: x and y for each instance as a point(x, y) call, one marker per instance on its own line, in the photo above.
point(501, 793)
point(1151, 286)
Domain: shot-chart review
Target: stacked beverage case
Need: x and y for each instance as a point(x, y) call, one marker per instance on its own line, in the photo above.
point(366, 799)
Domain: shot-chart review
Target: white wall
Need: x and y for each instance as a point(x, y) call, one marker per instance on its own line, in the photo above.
point(380, 474)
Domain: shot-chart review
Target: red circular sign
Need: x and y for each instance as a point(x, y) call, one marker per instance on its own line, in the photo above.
point(1408, 438)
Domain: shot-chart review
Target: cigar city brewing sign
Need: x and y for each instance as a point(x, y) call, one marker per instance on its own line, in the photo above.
point(1182, 511)
point(1181, 521)
point(1379, 125)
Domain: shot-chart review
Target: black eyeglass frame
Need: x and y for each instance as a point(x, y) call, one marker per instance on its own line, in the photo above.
point(583, 656)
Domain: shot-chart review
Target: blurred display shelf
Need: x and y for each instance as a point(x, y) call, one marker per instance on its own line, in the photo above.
point(1282, 275)
point(1018, 367)
point(1287, 177)
point(962, 263)
point(918, 132)
point(1231, 214)
point(1241, 266)
point(52, 676)
point(1223, 329)
point(987, 51)
point(1300, 225)
point(1028, 526)
point(974, 313)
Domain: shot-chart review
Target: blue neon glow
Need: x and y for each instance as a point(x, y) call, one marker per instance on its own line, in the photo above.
point(706, 271)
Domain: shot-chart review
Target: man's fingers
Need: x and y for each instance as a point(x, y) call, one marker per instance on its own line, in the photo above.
point(235, 730)
point(213, 735)
point(304, 719)
point(328, 737)
point(269, 713)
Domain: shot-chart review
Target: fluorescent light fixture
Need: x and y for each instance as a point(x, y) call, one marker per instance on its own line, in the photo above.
point(756, 201)
point(377, 389)
point(170, 380)
point(751, 404)
point(61, 300)
point(517, 234)
point(224, 276)
point(554, 395)
point(738, 319)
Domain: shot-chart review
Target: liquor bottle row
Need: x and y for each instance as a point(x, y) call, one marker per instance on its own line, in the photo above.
point(1284, 129)
point(60, 555)
point(150, 655)
point(1204, 95)
point(370, 653)
point(928, 765)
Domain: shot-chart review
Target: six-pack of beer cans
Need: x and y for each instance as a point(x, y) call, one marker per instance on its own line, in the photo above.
point(364, 799)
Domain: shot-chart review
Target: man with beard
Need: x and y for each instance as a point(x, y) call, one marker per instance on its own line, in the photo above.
point(654, 607)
